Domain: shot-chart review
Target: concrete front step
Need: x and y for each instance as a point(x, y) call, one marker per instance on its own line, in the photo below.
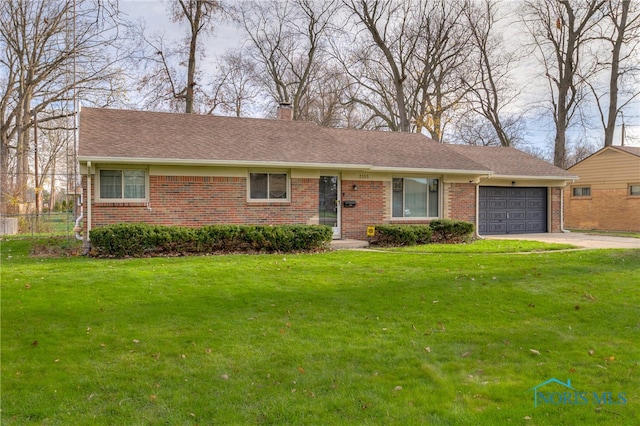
point(348, 244)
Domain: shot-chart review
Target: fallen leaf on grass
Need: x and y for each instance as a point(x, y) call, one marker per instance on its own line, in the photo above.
point(466, 354)
point(301, 370)
point(428, 349)
point(224, 377)
point(535, 351)
point(136, 341)
point(397, 388)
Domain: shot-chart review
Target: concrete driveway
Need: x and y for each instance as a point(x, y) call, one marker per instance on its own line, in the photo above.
point(576, 238)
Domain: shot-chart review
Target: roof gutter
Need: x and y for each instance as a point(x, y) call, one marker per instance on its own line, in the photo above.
point(244, 163)
point(236, 163)
point(430, 170)
point(565, 178)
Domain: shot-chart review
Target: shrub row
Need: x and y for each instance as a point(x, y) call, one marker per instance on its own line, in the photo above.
point(138, 239)
point(438, 231)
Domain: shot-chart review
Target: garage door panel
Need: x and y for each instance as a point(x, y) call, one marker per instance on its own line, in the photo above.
point(497, 204)
point(538, 226)
point(536, 216)
point(536, 203)
point(518, 215)
point(497, 215)
point(537, 192)
point(516, 204)
point(517, 227)
point(493, 191)
point(511, 210)
point(496, 228)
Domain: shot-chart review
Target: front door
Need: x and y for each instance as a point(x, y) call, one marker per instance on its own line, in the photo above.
point(329, 208)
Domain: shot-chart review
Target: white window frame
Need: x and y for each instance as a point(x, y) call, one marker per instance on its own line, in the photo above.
point(410, 218)
point(287, 174)
point(122, 199)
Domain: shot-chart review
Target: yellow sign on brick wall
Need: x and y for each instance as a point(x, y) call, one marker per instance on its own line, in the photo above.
point(371, 231)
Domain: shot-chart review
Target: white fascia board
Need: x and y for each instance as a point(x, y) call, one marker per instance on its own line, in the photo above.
point(189, 162)
point(435, 171)
point(528, 177)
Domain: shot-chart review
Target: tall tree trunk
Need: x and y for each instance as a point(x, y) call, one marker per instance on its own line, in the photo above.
point(191, 67)
point(615, 73)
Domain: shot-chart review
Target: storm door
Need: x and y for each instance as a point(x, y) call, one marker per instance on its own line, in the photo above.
point(329, 208)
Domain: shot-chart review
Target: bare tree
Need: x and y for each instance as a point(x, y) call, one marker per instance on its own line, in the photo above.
point(379, 67)
point(407, 64)
point(286, 38)
point(561, 30)
point(441, 66)
point(177, 85)
point(619, 58)
point(492, 93)
point(235, 85)
point(51, 52)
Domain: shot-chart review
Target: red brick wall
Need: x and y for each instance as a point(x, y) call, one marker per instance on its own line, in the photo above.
point(371, 205)
point(606, 209)
point(197, 201)
point(462, 202)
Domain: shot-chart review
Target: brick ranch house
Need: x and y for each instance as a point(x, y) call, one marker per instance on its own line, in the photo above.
point(194, 170)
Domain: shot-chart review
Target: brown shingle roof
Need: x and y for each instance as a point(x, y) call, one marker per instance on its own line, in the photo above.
point(507, 161)
point(158, 136)
point(110, 134)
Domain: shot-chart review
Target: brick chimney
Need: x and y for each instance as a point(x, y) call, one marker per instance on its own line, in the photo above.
point(285, 111)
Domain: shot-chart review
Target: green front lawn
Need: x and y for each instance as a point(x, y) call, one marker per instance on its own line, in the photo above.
point(347, 337)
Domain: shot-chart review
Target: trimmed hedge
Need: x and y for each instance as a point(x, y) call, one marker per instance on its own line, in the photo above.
point(437, 231)
point(401, 235)
point(451, 231)
point(139, 239)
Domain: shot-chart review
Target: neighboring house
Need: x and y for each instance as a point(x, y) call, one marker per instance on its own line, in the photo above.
point(607, 194)
point(187, 169)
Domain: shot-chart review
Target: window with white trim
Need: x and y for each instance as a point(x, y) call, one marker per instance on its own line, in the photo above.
point(123, 184)
point(415, 197)
point(268, 186)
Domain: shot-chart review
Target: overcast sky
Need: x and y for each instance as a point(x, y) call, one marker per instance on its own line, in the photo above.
point(227, 36)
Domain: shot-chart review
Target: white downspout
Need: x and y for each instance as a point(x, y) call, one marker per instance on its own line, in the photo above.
point(88, 198)
point(78, 229)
